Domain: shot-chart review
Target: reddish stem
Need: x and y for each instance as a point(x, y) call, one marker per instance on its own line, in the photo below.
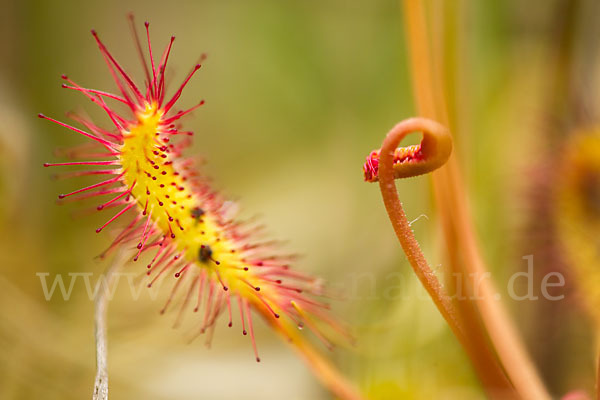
point(436, 147)
point(400, 222)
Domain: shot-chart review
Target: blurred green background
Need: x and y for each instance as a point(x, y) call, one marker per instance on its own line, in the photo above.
point(297, 94)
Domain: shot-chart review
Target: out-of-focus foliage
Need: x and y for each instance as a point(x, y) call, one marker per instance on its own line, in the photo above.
point(578, 215)
point(297, 93)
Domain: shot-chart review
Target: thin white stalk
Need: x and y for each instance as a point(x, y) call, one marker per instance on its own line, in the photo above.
point(101, 304)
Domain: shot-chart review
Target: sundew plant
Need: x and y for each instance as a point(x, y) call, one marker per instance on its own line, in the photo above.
point(175, 214)
point(297, 200)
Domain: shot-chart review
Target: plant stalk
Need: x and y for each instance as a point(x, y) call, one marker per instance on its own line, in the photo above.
point(495, 382)
point(101, 304)
point(451, 201)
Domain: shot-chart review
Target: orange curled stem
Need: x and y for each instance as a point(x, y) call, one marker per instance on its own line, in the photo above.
point(432, 153)
point(459, 231)
point(434, 150)
point(387, 172)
